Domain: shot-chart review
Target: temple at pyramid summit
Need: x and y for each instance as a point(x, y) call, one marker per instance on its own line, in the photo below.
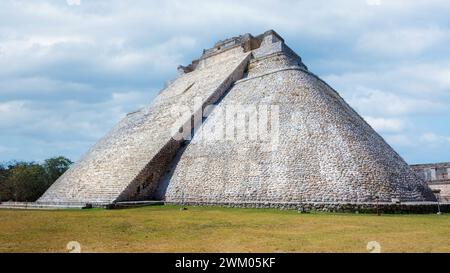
point(245, 123)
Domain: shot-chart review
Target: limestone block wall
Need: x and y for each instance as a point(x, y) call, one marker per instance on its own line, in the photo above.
point(290, 138)
point(444, 188)
point(437, 176)
point(127, 163)
point(341, 207)
point(320, 151)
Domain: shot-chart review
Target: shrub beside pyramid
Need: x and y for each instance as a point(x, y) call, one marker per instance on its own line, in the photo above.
point(246, 122)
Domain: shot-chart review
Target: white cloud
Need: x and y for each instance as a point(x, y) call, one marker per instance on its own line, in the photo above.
point(15, 113)
point(386, 124)
point(434, 139)
point(73, 2)
point(413, 79)
point(400, 140)
point(401, 42)
point(164, 56)
point(376, 102)
point(4, 149)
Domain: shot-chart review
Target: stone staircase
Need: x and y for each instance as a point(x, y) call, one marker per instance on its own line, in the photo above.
point(128, 162)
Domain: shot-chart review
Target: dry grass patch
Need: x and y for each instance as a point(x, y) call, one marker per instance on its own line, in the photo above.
point(211, 229)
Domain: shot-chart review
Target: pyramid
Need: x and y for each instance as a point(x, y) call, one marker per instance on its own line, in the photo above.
point(246, 122)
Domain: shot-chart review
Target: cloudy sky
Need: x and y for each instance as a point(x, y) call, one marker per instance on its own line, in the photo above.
point(70, 69)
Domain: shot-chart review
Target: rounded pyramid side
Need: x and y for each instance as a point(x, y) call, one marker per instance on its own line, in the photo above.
point(318, 149)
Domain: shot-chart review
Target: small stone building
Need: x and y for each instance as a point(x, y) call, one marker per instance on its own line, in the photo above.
point(437, 176)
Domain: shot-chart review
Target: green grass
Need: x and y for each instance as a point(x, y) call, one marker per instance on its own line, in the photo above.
point(211, 229)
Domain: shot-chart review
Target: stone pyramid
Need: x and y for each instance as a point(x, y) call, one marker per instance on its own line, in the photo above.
point(246, 122)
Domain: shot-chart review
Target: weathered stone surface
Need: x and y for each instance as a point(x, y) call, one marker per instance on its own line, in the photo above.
point(347, 207)
point(437, 176)
point(291, 139)
point(324, 151)
point(127, 163)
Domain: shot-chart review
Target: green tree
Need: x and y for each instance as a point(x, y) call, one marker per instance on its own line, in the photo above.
point(26, 181)
point(55, 167)
point(5, 194)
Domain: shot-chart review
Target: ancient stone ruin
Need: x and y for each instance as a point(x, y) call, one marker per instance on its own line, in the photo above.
point(246, 123)
point(437, 176)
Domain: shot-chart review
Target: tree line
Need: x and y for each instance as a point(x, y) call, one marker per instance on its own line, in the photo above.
point(27, 181)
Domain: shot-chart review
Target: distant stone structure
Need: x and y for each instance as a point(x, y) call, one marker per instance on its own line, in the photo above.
point(246, 123)
point(437, 176)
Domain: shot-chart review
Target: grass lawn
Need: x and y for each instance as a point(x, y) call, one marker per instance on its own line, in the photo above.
point(208, 229)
